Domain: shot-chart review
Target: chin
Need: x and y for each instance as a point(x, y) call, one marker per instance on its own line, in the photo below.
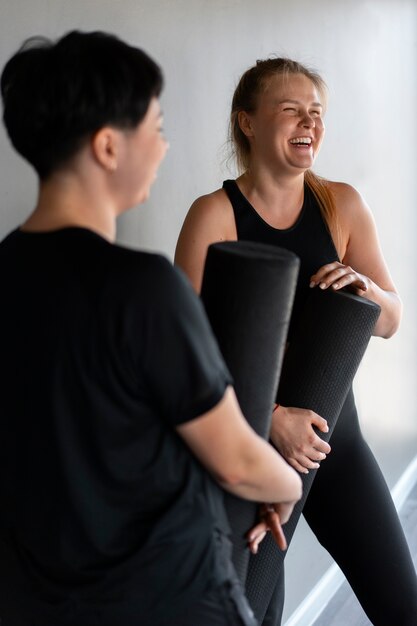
point(145, 196)
point(142, 196)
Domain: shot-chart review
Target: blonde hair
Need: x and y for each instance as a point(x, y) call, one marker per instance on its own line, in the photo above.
point(252, 83)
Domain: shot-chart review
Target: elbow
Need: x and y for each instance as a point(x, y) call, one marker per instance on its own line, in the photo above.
point(294, 486)
point(386, 328)
point(298, 487)
point(388, 325)
point(386, 332)
point(389, 333)
point(238, 474)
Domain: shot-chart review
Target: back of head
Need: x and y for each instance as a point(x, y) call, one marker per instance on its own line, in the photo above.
point(56, 95)
point(251, 84)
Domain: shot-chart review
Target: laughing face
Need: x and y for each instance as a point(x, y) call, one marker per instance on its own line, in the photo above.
point(286, 130)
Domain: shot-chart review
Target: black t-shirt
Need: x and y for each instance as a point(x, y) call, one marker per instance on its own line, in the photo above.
point(105, 515)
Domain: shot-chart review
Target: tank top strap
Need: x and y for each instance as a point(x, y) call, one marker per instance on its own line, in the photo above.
point(236, 199)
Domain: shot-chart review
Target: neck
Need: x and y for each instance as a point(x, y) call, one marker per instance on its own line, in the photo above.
point(64, 200)
point(279, 193)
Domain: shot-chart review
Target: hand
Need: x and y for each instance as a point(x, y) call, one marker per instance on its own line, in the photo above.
point(293, 435)
point(336, 275)
point(272, 517)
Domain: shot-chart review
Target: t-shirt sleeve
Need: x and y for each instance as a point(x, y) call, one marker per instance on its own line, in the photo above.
point(183, 365)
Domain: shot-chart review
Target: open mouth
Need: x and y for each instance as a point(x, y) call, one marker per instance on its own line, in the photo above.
point(303, 142)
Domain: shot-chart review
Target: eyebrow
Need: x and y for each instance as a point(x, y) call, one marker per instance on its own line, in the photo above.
point(314, 104)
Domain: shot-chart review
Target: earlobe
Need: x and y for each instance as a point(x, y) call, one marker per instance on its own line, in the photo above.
point(104, 148)
point(245, 124)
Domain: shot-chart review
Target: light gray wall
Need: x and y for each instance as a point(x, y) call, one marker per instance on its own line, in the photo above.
point(367, 52)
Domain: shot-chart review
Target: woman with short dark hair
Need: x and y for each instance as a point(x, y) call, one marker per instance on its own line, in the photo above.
point(113, 389)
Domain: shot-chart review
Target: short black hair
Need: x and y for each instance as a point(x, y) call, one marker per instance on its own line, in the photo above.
point(57, 94)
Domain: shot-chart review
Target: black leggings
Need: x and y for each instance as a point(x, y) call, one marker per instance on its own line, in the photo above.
point(350, 510)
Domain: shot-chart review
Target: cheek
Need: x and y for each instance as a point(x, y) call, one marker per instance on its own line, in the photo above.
point(320, 129)
point(162, 149)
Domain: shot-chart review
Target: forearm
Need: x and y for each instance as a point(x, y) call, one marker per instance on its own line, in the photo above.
point(239, 460)
point(264, 476)
point(338, 275)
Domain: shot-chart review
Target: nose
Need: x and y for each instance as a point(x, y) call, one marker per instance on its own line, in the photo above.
point(307, 121)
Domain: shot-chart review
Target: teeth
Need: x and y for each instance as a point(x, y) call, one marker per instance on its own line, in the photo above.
point(305, 140)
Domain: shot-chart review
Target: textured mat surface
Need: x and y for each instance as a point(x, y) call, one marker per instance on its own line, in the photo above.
point(248, 290)
point(319, 366)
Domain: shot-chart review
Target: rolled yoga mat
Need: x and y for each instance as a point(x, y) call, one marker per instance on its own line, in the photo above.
point(248, 291)
point(328, 343)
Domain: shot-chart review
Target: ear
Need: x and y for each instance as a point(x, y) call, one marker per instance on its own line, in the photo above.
point(105, 147)
point(245, 123)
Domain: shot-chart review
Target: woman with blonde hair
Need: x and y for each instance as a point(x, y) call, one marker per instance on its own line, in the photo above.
point(277, 129)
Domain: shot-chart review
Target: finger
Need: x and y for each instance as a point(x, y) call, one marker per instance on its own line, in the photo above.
point(308, 457)
point(321, 446)
point(257, 530)
point(297, 466)
point(339, 277)
point(323, 272)
point(256, 535)
point(308, 463)
point(318, 456)
point(278, 535)
point(311, 464)
point(320, 423)
point(254, 544)
point(349, 280)
point(276, 530)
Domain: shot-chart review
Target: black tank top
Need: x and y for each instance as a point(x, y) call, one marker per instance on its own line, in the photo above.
point(308, 238)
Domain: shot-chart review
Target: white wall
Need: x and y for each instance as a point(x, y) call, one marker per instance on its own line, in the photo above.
point(367, 52)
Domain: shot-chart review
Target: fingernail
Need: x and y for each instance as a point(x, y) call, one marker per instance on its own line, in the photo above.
point(336, 286)
point(312, 283)
point(306, 471)
point(322, 285)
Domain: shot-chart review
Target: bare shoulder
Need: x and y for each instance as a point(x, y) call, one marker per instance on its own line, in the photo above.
point(209, 220)
point(352, 209)
point(345, 195)
point(214, 212)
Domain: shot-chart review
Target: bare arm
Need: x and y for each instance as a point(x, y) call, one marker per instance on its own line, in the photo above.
point(363, 268)
point(209, 220)
point(241, 461)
